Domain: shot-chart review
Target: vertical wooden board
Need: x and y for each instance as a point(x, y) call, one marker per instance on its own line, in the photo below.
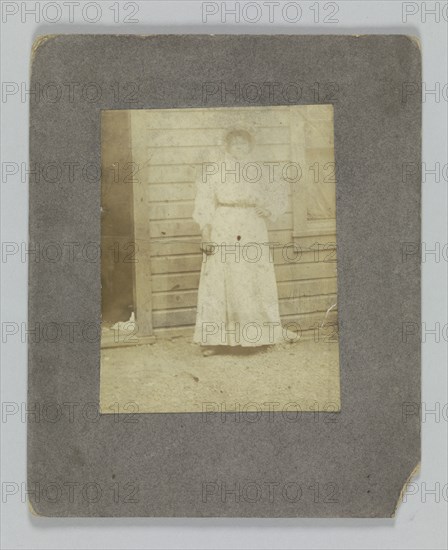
point(321, 183)
point(321, 174)
point(116, 218)
point(142, 264)
point(299, 189)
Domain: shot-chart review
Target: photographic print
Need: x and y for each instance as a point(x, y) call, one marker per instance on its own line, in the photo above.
point(236, 320)
point(219, 273)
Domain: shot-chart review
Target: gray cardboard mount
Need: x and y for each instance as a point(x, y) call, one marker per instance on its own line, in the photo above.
point(177, 464)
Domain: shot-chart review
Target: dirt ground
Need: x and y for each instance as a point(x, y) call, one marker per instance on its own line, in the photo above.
point(173, 376)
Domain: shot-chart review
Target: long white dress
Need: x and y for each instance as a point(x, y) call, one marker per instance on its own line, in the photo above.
point(237, 297)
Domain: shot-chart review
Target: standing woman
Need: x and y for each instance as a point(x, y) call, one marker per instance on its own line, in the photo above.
point(237, 297)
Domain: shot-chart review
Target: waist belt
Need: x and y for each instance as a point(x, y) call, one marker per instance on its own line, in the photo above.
point(237, 205)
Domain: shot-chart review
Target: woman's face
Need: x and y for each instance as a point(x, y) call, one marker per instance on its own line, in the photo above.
point(239, 146)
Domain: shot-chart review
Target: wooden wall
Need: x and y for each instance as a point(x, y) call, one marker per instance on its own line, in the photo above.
point(169, 146)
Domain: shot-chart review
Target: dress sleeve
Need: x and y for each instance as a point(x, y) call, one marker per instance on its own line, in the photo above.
point(205, 203)
point(278, 199)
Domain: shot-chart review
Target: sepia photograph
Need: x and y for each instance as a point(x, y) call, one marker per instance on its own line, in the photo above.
point(219, 272)
point(224, 260)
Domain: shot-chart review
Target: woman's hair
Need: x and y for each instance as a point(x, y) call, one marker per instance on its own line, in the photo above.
point(239, 133)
